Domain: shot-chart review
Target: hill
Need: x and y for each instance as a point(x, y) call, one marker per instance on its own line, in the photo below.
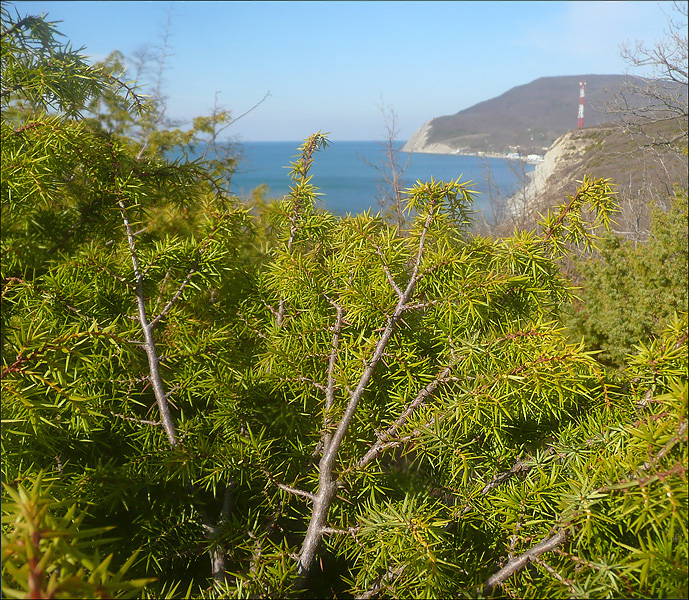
point(530, 116)
point(643, 175)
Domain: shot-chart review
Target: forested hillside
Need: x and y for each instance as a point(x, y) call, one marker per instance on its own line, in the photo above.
point(207, 399)
point(531, 116)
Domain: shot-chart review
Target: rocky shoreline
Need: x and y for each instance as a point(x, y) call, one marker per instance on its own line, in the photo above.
point(532, 159)
point(418, 143)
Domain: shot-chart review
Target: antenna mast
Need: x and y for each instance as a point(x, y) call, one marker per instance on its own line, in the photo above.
point(580, 122)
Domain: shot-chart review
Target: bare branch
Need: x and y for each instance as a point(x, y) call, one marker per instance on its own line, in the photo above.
point(516, 564)
point(390, 169)
point(327, 484)
point(350, 531)
point(330, 389)
point(518, 467)
point(294, 491)
point(254, 107)
point(386, 269)
point(681, 436)
point(383, 439)
point(566, 582)
point(140, 421)
point(419, 305)
point(389, 575)
point(287, 488)
point(178, 293)
point(149, 344)
point(661, 95)
point(318, 386)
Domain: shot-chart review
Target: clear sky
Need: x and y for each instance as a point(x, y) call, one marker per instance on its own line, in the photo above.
point(327, 65)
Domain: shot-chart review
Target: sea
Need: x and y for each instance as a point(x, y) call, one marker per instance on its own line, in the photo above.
point(349, 184)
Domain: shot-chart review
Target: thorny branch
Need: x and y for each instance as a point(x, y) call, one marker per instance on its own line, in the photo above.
point(551, 543)
point(327, 483)
point(330, 389)
point(178, 293)
point(149, 343)
point(140, 421)
point(211, 528)
point(383, 439)
point(191, 272)
point(390, 575)
point(294, 491)
point(546, 545)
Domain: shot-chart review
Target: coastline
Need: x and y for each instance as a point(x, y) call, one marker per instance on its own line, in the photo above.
point(419, 143)
point(531, 159)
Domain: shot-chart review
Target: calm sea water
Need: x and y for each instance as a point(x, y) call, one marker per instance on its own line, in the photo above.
point(349, 185)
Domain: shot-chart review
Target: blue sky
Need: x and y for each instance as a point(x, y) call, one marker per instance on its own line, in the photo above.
point(327, 65)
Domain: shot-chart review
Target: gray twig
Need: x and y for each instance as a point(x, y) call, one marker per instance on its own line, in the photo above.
point(546, 545)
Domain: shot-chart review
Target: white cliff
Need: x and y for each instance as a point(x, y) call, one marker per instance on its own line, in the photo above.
point(566, 147)
point(419, 143)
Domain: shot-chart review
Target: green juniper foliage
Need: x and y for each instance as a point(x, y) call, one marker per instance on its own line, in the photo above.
point(288, 403)
point(48, 553)
point(630, 291)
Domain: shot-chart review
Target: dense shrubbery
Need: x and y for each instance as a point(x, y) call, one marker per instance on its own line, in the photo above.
point(630, 290)
point(294, 403)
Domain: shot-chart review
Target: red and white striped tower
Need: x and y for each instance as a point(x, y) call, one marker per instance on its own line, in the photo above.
point(580, 122)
